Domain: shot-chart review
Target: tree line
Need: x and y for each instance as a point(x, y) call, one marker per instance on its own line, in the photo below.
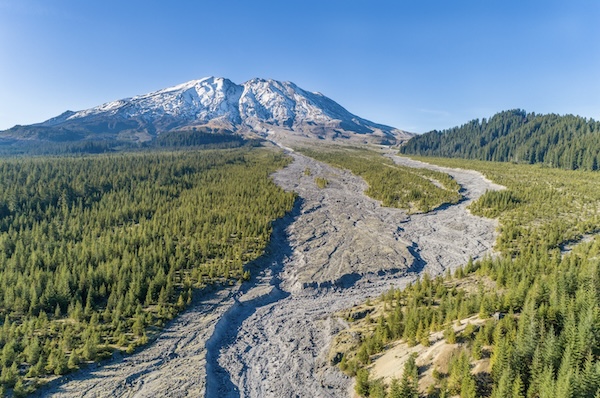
point(568, 142)
point(197, 138)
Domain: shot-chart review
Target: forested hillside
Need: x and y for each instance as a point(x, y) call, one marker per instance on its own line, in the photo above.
point(569, 142)
point(197, 138)
point(96, 251)
point(548, 342)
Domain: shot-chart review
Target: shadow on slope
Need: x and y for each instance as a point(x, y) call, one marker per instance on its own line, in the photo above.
point(418, 263)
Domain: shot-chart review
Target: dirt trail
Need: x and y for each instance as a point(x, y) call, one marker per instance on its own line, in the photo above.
point(270, 337)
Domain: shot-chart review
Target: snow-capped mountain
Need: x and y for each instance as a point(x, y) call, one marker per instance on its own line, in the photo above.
point(258, 106)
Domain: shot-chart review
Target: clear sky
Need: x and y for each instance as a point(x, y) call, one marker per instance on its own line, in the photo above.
point(417, 65)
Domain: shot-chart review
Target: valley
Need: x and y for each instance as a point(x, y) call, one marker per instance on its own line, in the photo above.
point(269, 337)
point(215, 239)
point(519, 323)
point(299, 199)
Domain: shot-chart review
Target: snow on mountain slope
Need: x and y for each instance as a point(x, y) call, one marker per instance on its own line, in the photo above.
point(258, 106)
point(203, 99)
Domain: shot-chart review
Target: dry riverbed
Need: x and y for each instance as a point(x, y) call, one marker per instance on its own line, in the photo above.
point(270, 337)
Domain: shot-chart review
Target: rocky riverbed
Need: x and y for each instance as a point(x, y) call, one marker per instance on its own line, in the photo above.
point(269, 337)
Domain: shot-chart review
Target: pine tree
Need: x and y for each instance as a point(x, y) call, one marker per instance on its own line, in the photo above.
point(476, 348)
point(377, 389)
point(409, 382)
point(362, 383)
point(90, 349)
point(450, 334)
point(9, 375)
point(19, 390)
point(589, 378)
point(547, 384)
point(394, 390)
point(564, 384)
point(518, 388)
point(61, 365)
point(468, 388)
point(74, 360)
point(503, 387)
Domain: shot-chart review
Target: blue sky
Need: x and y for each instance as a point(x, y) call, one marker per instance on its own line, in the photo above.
point(416, 65)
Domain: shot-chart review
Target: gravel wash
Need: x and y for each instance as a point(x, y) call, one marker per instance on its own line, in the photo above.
point(270, 337)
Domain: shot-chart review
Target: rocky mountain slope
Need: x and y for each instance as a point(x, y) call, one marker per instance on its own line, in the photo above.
point(258, 106)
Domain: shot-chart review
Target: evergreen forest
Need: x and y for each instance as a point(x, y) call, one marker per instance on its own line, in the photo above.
point(568, 142)
point(197, 138)
point(98, 252)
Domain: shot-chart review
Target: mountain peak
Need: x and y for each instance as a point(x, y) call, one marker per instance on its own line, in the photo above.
point(258, 106)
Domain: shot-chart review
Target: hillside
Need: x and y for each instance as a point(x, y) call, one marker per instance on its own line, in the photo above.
point(569, 142)
point(542, 285)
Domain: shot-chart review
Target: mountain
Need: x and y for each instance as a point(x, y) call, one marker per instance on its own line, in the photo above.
point(257, 107)
point(570, 142)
